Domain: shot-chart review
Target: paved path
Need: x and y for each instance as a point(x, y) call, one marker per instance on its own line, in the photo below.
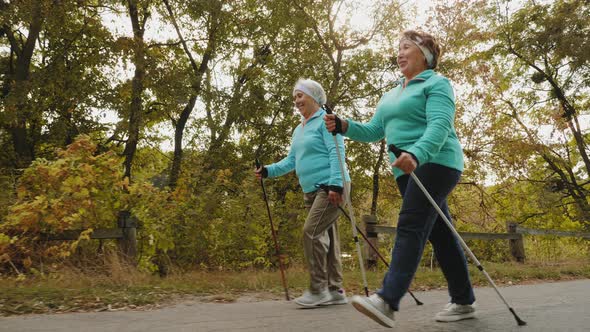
point(562, 306)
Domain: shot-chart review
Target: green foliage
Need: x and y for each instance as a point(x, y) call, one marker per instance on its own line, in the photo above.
point(520, 73)
point(79, 190)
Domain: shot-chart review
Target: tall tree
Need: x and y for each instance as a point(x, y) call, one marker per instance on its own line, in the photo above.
point(524, 87)
point(212, 21)
point(543, 41)
point(52, 75)
point(139, 13)
point(20, 121)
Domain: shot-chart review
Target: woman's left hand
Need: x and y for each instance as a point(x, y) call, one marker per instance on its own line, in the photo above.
point(405, 162)
point(335, 197)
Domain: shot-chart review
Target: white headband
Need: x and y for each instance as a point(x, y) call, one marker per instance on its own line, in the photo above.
point(427, 54)
point(299, 86)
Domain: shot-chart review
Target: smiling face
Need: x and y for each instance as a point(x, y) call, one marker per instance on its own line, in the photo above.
point(410, 59)
point(305, 104)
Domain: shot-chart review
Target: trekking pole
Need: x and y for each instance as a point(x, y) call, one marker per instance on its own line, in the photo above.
point(418, 302)
point(350, 210)
point(397, 152)
point(274, 236)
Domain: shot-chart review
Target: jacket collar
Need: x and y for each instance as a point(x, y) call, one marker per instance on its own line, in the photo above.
point(423, 76)
point(319, 112)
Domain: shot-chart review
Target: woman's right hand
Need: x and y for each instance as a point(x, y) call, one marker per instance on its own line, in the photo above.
point(330, 120)
point(261, 172)
point(405, 162)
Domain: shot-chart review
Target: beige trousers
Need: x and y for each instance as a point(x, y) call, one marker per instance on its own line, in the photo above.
point(321, 243)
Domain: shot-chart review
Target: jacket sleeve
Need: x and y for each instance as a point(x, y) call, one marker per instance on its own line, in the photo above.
point(286, 164)
point(371, 131)
point(440, 116)
point(283, 166)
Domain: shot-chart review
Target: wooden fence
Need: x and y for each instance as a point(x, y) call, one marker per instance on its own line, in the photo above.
point(514, 235)
point(125, 234)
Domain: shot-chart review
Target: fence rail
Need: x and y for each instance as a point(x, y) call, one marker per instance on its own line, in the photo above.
point(515, 236)
point(464, 235)
point(125, 234)
point(531, 231)
point(97, 234)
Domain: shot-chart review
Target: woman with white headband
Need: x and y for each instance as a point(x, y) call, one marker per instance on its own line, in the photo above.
point(417, 116)
point(313, 156)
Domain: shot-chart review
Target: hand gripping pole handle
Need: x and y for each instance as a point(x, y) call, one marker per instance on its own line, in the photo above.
point(329, 111)
point(396, 151)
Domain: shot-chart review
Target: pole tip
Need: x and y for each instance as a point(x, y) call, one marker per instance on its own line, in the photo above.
point(519, 321)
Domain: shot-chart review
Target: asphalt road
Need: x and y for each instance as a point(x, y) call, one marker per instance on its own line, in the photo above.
point(560, 306)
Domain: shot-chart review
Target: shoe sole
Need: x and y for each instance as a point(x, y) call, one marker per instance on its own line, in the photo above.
point(311, 305)
point(455, 318)
point(338, 302)
point(373, 313)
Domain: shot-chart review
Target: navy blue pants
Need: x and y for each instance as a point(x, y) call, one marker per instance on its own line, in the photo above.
point(418, 221)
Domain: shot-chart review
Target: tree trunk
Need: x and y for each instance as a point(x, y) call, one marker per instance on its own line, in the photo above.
point(17, 91)
point(136, 107)
point(178, 135)
point(199, 72)
point(376, 168)
point(574, 126)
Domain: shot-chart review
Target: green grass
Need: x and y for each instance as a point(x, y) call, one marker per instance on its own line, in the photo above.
point(69, 291)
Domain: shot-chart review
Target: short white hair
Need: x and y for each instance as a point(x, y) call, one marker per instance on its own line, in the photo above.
point(312, 89)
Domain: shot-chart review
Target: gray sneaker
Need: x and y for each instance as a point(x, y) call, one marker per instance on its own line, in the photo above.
point(374, 307)
point(310, 300)
point(454, 312)
point(337, 297)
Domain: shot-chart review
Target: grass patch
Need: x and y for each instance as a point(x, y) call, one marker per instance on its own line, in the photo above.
point(72, 290)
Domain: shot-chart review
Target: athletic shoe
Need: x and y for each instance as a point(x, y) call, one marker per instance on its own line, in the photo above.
point(374, 307)
point(454, 312)
point(337, 297)
point(310, 300)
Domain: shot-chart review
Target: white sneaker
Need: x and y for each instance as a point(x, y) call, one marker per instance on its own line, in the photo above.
point(374, 307)
point(337, 297)
point(454, 312)
point(310, 300)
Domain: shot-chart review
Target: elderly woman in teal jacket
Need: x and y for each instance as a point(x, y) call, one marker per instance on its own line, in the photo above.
point(417, 116)
point(313, 156)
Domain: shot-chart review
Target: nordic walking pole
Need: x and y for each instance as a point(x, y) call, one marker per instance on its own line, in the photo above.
point(397, 152)
point(418, 302)
point(274, 236)
point(349, 204)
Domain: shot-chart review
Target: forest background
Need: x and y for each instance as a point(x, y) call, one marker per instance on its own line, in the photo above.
point(161, 107)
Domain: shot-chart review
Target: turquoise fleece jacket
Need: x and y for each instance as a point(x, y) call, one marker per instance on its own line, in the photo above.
point(418, 119)
point(313, 156)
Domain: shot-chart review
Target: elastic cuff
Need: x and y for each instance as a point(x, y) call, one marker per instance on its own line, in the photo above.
point(415, 158)
point(337, 189)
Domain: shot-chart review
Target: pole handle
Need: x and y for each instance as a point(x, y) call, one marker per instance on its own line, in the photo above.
point(329, 111)
point(396, 151)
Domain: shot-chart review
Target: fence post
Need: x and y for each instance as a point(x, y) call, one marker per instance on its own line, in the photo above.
point(516, 245)
point(370, 222)
point(128, 244)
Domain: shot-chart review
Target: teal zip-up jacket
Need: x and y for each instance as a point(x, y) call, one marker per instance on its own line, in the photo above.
point(313, 156)
point(418, 119)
